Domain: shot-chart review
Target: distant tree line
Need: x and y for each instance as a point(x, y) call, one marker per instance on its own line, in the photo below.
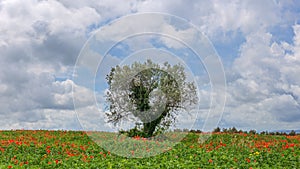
point(234, 130)
point(291, 133)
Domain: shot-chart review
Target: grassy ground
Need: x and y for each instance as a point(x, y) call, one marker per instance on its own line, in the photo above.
point(70, 149)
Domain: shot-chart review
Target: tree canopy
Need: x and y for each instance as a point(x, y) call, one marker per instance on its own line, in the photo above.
point(149, 94)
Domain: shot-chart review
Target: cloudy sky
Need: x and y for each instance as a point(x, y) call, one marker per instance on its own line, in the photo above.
point(258, 43)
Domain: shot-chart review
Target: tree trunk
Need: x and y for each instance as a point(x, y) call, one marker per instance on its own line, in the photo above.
point(149, 128)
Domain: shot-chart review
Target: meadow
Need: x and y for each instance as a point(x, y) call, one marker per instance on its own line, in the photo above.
point(75, 149)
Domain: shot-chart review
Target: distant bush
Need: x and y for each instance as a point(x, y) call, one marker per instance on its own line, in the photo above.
point(133, 132)
point(216, 130)
point(232, 130)
point(252, 132)
point(292, 133)
point(195, 131)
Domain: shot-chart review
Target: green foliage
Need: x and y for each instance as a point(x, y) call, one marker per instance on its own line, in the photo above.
point(216, 130)
point(70, 149)
point(252, 131)
point(133, 132)
point(149, 93)
point(292, 133)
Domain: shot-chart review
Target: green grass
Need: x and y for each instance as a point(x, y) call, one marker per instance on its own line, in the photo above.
point(71, 149)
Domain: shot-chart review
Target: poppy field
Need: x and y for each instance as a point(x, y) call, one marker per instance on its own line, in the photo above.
point(75, 149)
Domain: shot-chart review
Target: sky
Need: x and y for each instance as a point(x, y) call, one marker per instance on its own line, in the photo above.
point(254, 47)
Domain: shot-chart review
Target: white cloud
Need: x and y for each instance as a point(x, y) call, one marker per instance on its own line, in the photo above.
point(283, 107)
point(216, 18)
point(41, 119)
point(23, 22)
point(245, 15)
point(129, 26)
point(185, 35)
point(266, 90)
point(40, 40)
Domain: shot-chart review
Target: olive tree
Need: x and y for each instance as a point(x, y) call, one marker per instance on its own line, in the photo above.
point(150, 94)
